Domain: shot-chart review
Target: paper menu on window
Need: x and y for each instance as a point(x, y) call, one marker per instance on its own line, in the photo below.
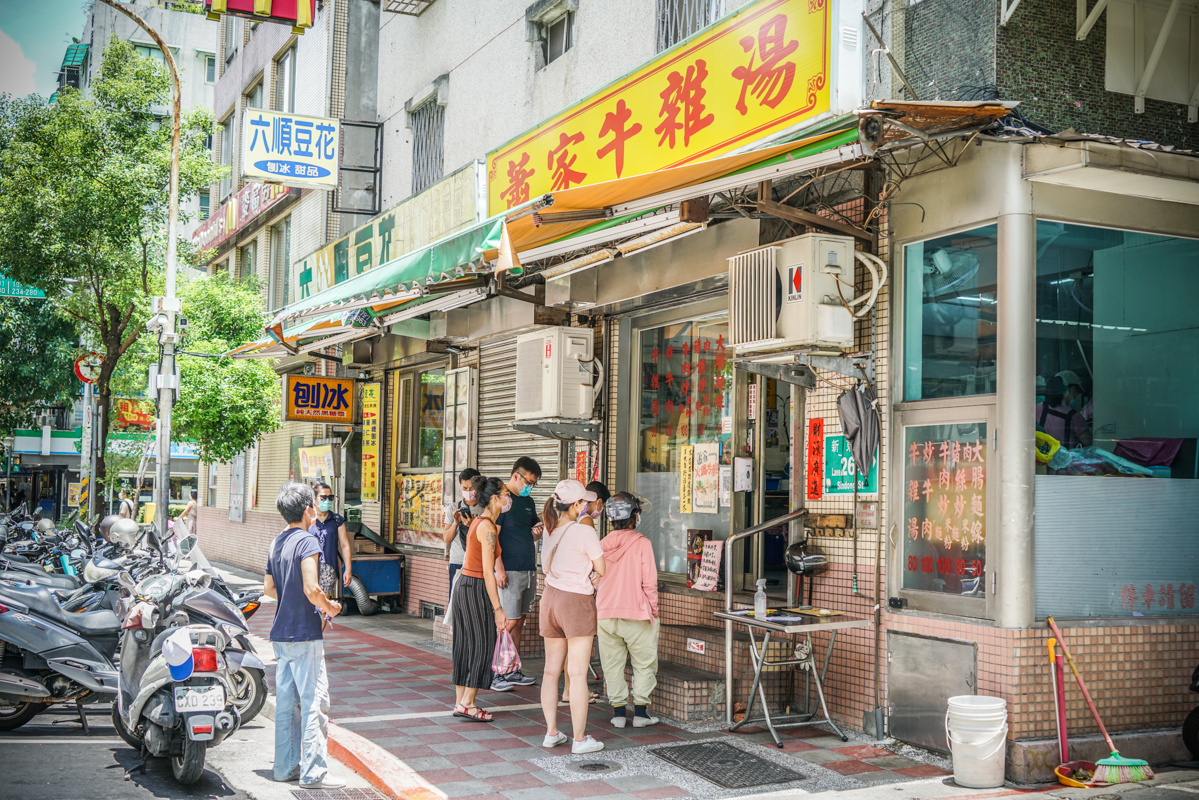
point(705, 478)
point(726, 486)
point(709, 568)
point(686, 468)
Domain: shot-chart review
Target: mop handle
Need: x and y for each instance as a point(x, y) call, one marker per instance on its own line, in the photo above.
point(1059, 699)
point(1086, 695)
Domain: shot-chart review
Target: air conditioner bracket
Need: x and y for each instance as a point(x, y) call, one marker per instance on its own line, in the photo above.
point(562, 429)
point(859, 366)
point(799, 375)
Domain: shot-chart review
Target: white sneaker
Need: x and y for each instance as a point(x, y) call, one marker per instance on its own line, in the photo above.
point(618, 722)
point(554, 740)
point(324, 783)
point(645, 722)
point(588, 745)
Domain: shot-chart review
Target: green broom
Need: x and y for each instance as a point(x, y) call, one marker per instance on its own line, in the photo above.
point(1115, 768)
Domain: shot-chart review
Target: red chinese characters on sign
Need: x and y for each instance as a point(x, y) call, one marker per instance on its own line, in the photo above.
point(560, 161)
point(684, 94)
point(815, 474)
point(771, 78)
point(617, 123)
point(1134, 597)
point(518, 181)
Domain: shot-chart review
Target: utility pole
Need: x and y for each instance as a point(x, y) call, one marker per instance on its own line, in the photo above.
point(167, 383)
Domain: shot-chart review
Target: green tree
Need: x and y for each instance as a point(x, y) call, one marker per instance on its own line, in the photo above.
point(83, 200)
point(225, 404)
point(37, 368)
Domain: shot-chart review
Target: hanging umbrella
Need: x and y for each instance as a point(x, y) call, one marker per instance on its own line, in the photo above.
point(859, 423)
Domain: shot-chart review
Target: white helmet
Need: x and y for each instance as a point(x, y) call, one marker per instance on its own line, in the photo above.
point(45, 525)
point(124, 532)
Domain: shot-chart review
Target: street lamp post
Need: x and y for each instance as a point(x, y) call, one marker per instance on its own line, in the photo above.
point(167, 383)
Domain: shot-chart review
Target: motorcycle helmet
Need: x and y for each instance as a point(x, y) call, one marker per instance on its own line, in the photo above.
point(45, 525)
point(105, 526)
point(124, 532)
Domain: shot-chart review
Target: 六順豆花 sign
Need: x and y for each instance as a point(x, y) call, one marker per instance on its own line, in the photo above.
point(310, 399)
point(290, 149)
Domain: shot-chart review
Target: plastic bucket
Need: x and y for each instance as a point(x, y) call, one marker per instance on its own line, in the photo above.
point(976, 728)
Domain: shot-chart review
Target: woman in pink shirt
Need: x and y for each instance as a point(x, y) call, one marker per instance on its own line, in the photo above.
point(571, 558)
point(627, 611)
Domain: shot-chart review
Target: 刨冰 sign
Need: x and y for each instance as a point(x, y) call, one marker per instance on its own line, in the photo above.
point(311, 399)
point(291, 149)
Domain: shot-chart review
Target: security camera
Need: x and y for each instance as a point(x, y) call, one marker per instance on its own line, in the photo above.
point(181, 324)
point(157, 323)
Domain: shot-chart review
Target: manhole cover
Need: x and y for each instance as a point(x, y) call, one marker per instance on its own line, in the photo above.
point(337, 794)
point(725, 765)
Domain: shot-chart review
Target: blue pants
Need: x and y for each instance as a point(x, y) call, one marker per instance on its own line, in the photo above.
point(301, 711)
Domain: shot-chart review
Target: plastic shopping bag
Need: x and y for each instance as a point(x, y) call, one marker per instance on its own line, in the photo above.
point(505, 659)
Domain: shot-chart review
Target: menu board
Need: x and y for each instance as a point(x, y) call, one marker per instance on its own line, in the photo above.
point(420, 510)
point(945, 508)
point(705, 471)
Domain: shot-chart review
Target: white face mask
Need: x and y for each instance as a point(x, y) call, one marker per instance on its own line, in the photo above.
point(506, 505)
point(469, 496)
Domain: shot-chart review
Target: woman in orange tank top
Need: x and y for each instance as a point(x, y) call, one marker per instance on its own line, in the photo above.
point(477, 614)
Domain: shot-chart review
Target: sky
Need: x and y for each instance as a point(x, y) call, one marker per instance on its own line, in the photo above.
point(34, 34)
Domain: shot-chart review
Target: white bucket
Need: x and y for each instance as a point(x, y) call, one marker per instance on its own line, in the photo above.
point(976, 728)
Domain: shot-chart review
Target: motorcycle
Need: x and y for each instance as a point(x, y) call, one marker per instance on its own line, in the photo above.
point(48, 655)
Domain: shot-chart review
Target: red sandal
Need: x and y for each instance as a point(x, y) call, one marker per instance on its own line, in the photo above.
point(473, 713)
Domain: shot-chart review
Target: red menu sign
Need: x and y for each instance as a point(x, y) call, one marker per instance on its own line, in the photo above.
point(815, 475)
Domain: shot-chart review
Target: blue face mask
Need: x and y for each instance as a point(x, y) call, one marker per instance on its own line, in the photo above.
point(525, 490)
point(325, 505)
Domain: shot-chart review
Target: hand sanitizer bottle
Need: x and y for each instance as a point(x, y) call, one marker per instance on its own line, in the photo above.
point(760, 600)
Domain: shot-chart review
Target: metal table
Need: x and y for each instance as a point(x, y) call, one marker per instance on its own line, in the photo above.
point(803, 657)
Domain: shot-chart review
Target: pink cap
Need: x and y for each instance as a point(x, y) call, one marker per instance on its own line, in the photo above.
point(572, 491)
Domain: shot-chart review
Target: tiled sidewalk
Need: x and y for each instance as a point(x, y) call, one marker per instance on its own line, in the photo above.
point(398, 695)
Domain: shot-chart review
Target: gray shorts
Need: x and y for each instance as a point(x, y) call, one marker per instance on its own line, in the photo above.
point(518, 596)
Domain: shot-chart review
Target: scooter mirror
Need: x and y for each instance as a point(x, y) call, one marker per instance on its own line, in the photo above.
point(126, 580)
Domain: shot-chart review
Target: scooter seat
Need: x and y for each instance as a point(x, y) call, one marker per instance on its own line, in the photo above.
point(25, 572)
point(39, 600)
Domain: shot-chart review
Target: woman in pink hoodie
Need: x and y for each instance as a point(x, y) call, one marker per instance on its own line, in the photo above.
point(627, 611)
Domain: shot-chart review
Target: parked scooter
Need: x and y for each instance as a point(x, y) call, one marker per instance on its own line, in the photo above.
point(172, 703)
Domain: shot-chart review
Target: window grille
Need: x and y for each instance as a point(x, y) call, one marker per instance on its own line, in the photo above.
point(428, 138)
point(678, 19)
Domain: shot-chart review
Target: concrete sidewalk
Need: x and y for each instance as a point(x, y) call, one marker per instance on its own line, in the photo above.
point(392, 701)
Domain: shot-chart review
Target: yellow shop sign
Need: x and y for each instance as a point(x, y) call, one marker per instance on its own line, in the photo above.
point(760, 71)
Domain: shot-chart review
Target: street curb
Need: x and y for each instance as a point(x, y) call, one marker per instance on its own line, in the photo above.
point(381, 769)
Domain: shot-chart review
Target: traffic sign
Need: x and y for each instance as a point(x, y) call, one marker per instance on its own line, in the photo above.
point(10, 288)
point(87, 367)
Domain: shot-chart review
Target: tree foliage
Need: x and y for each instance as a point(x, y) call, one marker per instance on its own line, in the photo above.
point(37, 368)
point(225, 405)
point(84, 196)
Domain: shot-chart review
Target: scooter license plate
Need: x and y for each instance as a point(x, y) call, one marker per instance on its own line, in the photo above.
point(199, 698)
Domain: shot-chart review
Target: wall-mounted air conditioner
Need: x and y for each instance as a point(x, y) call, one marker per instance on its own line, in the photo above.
point(554, 374)
point(784, 295)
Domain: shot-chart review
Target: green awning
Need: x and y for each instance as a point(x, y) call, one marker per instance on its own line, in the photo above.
point(75, 56)
point(445, 260)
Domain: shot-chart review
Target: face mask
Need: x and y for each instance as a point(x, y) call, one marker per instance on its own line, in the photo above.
point(506, 505)
point(525, 491)
point(595, 513)
point(325, 505)
point(469, 496)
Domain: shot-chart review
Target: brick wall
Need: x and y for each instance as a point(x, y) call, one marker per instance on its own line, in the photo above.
point(1060, 81)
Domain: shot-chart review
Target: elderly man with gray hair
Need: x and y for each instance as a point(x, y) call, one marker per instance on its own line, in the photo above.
point(301, 684)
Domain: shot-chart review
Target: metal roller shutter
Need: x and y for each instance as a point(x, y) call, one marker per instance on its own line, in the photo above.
point(499, 445)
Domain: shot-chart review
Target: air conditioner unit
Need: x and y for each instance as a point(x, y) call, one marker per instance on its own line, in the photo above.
point(554, 375)
point(784, 295)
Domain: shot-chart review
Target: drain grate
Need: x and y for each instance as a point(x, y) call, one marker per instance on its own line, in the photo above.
point(725, 765)
point(338, 794)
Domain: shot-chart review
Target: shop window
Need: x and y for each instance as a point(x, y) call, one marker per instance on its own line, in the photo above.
point(430, 412)
point(949, 315)
point(683, 409)
point(1117, 369)
point(945, 508)
point(678, 19)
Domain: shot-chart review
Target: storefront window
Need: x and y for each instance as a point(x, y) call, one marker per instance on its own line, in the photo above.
point(684, 431)
point(945, 508)
point(1117, 376)
point(949, 315)
point(431, 418)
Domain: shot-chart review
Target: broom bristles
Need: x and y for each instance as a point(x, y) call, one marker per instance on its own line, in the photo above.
point(1118, 769)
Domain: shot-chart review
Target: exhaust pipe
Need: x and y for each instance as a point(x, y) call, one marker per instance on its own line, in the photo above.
point(17, 687)
point(225, 721)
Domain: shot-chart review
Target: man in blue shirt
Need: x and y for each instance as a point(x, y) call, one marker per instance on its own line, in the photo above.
point(301, 684)
point(516, 576)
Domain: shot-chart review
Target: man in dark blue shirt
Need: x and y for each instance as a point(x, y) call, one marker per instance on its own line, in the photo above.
point(301, 683)
point(516, 576)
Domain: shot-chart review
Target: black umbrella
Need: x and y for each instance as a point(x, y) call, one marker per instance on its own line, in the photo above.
point(857, 408)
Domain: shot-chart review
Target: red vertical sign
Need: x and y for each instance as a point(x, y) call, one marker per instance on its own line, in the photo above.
point(815, 477)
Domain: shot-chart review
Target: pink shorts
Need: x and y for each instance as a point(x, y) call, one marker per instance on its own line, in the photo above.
point(566, 615)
